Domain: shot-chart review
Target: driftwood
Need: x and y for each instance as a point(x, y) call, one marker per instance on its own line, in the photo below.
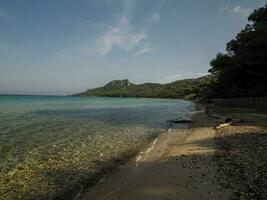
point(180, 121)
point(227, 122)
point(222, 125)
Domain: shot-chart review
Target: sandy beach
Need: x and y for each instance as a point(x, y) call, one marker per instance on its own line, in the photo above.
point(184, 163)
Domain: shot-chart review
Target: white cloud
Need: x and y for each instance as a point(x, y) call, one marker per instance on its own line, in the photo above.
point(142, 51)
point(146, 49)
point(243, 12)
point(155, 18)
point(237, 10)
point(120, 36)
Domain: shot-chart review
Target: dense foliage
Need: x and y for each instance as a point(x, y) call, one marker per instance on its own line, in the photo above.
point(242, 71)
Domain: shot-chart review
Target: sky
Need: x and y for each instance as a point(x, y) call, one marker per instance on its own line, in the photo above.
point(61, 47)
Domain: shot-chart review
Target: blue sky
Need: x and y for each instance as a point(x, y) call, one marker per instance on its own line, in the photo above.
point(67, 46)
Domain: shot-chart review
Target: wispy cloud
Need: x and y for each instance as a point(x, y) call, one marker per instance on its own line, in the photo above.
point(142, 51)
point(123, 36)
point(155, 18)
point(146, 48)
point(243, 12)
point(120, 33)
point(237, 10)
point(120, 36)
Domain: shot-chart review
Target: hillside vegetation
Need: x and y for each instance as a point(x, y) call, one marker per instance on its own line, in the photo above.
point(183, 89)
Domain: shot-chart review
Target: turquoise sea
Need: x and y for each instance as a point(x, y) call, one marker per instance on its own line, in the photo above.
point(50, 145)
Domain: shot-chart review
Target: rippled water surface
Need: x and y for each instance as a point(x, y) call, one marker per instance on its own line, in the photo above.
point(48, 145)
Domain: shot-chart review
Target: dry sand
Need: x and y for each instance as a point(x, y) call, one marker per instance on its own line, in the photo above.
point(179, 164)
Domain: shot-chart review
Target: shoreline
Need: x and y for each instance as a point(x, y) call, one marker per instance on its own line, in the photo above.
point(181, 163)
point(154, 151)
point(134, 157)
point(76, 193)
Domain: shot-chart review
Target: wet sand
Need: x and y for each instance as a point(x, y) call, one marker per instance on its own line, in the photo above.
point(179, 164)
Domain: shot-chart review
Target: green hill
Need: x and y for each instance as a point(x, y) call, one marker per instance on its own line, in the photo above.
point(183, 89)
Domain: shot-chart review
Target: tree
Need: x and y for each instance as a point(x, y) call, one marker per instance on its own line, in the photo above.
point(242, 71)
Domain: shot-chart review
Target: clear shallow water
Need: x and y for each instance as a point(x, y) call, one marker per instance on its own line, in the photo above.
point(50, 144)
